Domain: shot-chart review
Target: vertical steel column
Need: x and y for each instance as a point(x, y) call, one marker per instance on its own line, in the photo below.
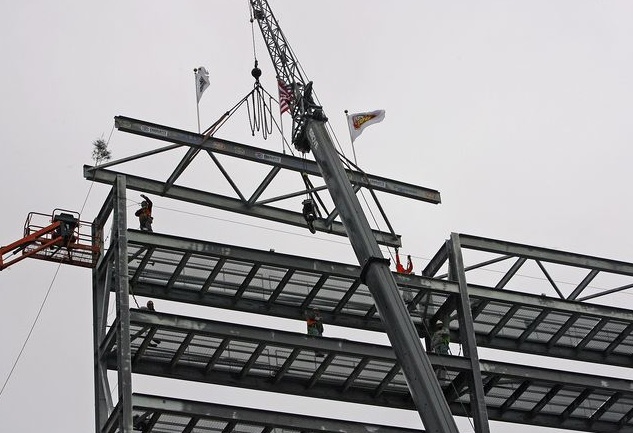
point(124, 356)
point(467, 336)
point(100, 301)
point(423, 385)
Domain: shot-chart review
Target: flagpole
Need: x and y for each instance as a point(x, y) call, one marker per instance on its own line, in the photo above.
point(195, 82)
point(352, 140)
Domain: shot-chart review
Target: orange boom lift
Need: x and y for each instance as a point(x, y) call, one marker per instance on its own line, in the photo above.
point(60, 237)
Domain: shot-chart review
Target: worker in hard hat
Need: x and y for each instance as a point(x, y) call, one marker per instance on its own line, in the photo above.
point(315, 326)
point(401, 269)
point(144, 214)
point(440, 339)
point(314, 323)
point(149, 306)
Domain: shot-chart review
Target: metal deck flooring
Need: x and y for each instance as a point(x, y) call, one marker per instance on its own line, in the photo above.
point(277, 361)
point(283, 285)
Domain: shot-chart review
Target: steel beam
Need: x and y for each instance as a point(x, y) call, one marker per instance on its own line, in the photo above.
point(123, 348)
point(228, 204)
point(279, 421)
point(271, 158)
point(546, 254)
point(425, 391)
point(100, 302)
point(467, 335)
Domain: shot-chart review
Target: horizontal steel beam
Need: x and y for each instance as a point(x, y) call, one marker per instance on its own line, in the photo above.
point(541, 419)
point(545, 254)
point(227, 203)
point(259, 155)
point(256, 417)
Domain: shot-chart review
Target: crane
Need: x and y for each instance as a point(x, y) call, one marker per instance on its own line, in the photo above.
point(309, 134)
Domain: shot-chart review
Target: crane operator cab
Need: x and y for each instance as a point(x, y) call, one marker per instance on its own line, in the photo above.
point(58, 237)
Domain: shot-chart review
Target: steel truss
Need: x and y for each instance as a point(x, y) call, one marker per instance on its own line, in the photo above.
point(520, 256)
point(254, 204)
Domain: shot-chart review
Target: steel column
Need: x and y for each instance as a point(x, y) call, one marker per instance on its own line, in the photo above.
point(100, 298)
point(467, 336)
point(123, 349)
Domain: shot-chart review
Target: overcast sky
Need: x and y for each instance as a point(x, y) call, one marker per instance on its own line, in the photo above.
point(519, 113)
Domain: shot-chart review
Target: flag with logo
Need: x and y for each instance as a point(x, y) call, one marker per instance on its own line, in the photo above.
point(202, 81)
point(285, 96)
point(357, 122)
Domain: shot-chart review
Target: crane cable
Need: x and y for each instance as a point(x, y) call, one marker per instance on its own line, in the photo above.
point(252, 21)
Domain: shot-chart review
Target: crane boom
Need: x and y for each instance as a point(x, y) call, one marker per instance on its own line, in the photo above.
point(302, 106)
point(309, 133)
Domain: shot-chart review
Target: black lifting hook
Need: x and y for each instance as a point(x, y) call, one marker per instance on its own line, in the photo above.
point(256, 73)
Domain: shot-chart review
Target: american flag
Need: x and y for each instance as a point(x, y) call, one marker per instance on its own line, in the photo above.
point(285, 96)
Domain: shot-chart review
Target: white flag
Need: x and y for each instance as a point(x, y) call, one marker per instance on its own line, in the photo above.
point(359, 121)
point(202, 81)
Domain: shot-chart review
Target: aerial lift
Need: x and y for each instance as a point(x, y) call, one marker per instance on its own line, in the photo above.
point(309, 134)
point(58, 237)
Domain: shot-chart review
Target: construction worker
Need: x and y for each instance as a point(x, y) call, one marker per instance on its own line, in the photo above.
point(149, 306)
point(314, 323)
point(144, 214)
point(141, 423)
point(439, 345)
point(309, 213)
point(440, 339)
point(399, 268)
point(315, 326)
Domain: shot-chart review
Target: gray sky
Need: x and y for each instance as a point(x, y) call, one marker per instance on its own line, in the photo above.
point(517, 112)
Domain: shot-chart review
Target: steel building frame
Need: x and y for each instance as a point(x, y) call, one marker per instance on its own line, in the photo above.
point(500, 313)
point(244, 279)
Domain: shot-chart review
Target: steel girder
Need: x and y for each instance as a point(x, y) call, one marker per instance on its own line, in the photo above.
point(227, 203)
point(589, 267)
point(159, 413)
point(254, 205)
